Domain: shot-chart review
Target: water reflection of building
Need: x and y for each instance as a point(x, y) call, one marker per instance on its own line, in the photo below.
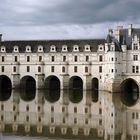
point(72, 87)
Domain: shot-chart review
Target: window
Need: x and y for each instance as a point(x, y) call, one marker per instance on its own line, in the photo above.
point(63, 69)
point(28, 68)
point(52, 109)
point(27, 118)
point(100, 111)
point(39, 119)
point(40, 58)
point(28, 58)
point(15, 117)
point(64, 48)
point(2, 107)
point(63, 109)
point(52, 59)
point(2, 68)
point(135, 127)
point(52, 68)
point(135, 57)
point(137, 115)
point(100, 58)
point(112, 59)
point(75, 68)
point(86, 69)
point(14, 69)
point(2, 117)
point(14, 107)
point(38, 108)
point(27, 108)
point(64, 58)
point(75, 109)
point(86, 110)
point(75, 58)
point(100, 122)
point(112, 70)
point(64, 120)
point(52, 120)
point(75, 120)
point(100, 69)
point(133, 115)
point(135, 69)
point(135, 46)
point(86, 121)
point(16, 59)
point(2, 59)
point(87, 58)
point(39, 69)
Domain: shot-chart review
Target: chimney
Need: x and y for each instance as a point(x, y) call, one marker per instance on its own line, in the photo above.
point(130, 29)
point(0, 37)
point(110, 32)
point(117, 32)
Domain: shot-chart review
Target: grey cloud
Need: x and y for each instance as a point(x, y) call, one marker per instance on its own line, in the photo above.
point(64, 18)
point(45, 12)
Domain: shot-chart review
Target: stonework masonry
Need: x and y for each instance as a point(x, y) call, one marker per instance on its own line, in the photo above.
point(72, 88)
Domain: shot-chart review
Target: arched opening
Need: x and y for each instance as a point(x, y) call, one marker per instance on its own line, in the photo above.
point(52, 85)
point(129, 92)
point(27, 88)
point(75, 89)
point(5, 88)
point(95, 89)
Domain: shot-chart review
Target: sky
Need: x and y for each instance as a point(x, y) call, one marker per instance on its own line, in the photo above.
point(65, 19)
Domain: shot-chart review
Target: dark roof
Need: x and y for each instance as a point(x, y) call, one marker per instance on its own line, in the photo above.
point(47, 43)
point(125, 38)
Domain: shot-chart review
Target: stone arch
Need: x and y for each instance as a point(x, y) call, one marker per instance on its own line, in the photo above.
point(27, 88)
point(95, 89)
point(129, 92)
point(75, 89)
point(52, 85)
point(5, 88)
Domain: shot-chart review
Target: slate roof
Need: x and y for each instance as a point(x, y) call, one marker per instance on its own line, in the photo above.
point(47, 43)
point(125, 39)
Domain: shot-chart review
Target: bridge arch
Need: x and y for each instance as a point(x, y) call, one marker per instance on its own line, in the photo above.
point(27, 88)
point(5, 88)
point(52, 86)
point(129, 92)
point(75, 89)
point(95, 89)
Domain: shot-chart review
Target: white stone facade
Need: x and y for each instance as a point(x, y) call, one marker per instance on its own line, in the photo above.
point(114, 65)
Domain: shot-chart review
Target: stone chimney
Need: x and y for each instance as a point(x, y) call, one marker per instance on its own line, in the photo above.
point(130, 29)
point(117, 32)
point(110, 32)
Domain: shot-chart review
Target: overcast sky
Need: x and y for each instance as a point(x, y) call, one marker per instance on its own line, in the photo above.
point(65, 19)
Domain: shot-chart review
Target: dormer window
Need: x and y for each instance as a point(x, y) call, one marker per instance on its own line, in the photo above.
point(53, 48)
point(28, 48)
point(15, 49)
point(3, 49)
point(40, 48)
point(135, 46)
point(64, 48)
point(87, 48)
point(75, 48)
point(100, 47)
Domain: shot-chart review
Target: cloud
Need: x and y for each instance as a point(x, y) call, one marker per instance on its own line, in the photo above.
point(20, 15)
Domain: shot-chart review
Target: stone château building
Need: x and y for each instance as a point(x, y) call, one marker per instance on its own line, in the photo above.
point(75, 88)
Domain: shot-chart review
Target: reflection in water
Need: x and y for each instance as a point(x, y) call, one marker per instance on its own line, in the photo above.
point(52, 95)
point(5, 88)
point(75, 95)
